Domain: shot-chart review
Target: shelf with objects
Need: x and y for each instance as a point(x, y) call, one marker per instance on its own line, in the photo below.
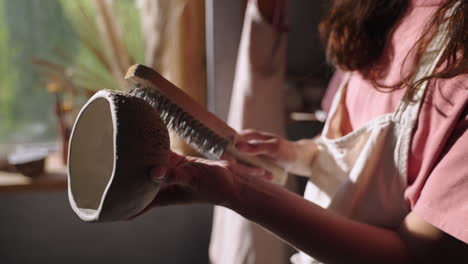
point(37, 173)
point(72, 48)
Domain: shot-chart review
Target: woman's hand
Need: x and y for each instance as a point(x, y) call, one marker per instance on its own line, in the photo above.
point(294, 156)
point(194, 180)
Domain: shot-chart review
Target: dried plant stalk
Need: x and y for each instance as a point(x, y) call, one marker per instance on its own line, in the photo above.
point(111, 35)
point(159, 21)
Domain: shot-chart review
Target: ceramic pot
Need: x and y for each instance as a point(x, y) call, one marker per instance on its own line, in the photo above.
point(115, 141)
point(29, 161)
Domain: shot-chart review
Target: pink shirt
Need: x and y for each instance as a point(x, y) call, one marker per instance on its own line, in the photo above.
point(438, 163)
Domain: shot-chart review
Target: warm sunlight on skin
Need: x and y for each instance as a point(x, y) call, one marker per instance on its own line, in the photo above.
point(295, 156)
point(297, 220)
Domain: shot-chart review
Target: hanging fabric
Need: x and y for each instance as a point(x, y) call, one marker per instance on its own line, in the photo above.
point(257, 102)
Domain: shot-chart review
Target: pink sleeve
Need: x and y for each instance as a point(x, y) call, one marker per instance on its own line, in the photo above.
point(444, 198)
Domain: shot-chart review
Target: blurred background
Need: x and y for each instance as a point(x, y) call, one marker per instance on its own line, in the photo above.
point(54, 54)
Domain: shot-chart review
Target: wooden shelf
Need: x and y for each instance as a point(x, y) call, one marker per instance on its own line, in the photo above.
point(54, 178)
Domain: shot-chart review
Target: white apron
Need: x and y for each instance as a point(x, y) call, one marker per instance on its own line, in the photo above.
point(363, 175)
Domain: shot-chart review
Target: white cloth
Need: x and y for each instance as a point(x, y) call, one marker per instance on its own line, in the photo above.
point(257, 102)
point(363, 175)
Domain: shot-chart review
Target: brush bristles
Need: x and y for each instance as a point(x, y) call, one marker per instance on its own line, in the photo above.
point(203, 139)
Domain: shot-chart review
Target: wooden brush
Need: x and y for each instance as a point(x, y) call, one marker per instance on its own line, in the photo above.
point(201, 129)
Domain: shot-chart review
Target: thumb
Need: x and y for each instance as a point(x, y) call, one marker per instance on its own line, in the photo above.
point(268, 147)
point(158, 174)
point(182, 175)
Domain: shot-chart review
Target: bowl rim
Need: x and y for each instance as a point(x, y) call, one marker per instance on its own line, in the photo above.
point(83, 213)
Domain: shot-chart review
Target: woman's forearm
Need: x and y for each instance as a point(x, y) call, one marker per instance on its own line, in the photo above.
point(322, 234)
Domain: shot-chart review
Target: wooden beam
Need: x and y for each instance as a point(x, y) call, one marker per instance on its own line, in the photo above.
point(185, 60)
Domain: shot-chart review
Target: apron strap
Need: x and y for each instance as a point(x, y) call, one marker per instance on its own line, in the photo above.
point(408, 110)
point(337, 99)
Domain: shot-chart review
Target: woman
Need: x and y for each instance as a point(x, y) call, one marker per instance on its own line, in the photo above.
point(391, 165)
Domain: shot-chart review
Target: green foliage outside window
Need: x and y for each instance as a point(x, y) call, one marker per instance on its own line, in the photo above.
point(47, 29)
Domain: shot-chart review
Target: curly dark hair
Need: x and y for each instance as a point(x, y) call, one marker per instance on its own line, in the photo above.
point(355, 34)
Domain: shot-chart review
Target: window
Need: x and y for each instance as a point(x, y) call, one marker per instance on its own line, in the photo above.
point(54, 44)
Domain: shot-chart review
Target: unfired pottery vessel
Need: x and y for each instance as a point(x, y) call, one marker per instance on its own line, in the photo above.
point(115, 141)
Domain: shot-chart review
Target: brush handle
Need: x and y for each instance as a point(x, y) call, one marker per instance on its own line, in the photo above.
point(141, 75)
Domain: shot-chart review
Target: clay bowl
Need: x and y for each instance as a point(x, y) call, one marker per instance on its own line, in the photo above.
point(29, 162)
point(115, 141)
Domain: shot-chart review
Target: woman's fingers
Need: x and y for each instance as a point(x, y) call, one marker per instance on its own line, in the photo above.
point(189, 179)
point(250, 134)
point(258, 143)
point(269, 147)
point(173, 176)
point(242, 169)
point(158, 174)
point(178, 170)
